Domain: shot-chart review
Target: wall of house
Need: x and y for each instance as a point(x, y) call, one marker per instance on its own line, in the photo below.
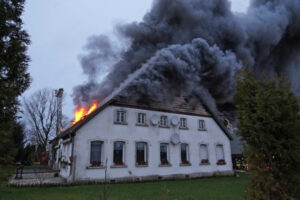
point(103, 128)
point(64, 161)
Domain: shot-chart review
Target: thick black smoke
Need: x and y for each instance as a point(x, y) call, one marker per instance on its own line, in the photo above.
point(196, 46)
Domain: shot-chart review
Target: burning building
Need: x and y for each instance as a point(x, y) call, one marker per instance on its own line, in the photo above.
point(128, 139)
point(179, 65)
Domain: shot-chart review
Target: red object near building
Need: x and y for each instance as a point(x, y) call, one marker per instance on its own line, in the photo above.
point(44, 158)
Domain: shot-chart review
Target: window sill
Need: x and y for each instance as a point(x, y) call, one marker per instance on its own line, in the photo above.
point(98, 167)
point(118, 166)
point(223, 163)
point(202, 129)
point(165, 165)
point(137, 165)
point(164, 126)
point(204, 164)
point(121, 123)
point(144, 125)
point(183, 128)
point(185, 164)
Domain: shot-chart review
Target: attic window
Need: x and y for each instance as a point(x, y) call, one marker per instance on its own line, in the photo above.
point(141, 119)
point(201, 125)
point(163, 121)
point(120, 117)
point(183, 123)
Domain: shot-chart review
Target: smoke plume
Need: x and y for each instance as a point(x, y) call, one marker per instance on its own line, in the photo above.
point(195, 46)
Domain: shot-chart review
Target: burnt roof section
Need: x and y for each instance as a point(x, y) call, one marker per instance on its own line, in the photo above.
point(179, 104)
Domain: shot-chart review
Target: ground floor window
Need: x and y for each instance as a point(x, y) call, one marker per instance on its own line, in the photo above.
point(96, 150)
point(184, 153)
point(164, 154)
point(118, 153)
point(141, 153)
point(220, 154)
point(204, 154)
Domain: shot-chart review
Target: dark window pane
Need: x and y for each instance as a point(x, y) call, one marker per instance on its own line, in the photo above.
point(182, 122)
point(96, 153)
point(184, 153)
point(164, 154)
point(201, 124)
point(140, 153)
point(118, 153)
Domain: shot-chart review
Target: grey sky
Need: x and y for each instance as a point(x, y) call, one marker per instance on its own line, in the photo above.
point(59, 31)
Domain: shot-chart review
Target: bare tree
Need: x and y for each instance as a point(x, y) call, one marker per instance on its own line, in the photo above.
point(40, 111)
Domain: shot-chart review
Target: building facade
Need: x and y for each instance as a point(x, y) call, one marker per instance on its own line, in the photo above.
point(121, 142)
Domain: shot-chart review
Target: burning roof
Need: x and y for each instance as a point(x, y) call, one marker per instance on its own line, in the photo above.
point(181, 104)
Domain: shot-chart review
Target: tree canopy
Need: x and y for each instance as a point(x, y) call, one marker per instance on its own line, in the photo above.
point(269, 122)
point(14, 78)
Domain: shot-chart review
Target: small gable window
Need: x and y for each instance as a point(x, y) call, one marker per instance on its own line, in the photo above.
point(120, 117)
point(202, 125)
point(183, 123)
point(141, 118)
point(163, 122)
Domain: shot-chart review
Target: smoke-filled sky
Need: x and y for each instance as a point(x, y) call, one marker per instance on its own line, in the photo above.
point(193, 47)
point(60, 30)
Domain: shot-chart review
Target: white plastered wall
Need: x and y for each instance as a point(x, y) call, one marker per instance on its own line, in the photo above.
point(103, 128)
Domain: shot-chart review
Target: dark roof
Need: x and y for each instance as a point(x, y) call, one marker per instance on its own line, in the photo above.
point(179, 104)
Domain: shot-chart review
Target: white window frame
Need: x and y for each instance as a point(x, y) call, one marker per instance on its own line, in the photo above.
point(183, 123)
point(120, 119)
point(220, 161)
point(203, 127)
point(168, 154)
point(164, 119)
point(142, 117)
point(102, 154)
point(145, 153)
point(187, 154)
point(123, 153)
point(202, 162)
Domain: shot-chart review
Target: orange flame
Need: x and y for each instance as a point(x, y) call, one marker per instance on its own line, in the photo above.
point(82, 112)
point(92, 108)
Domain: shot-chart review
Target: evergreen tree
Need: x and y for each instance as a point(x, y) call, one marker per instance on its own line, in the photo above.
point(14, 79)
point(269, 122)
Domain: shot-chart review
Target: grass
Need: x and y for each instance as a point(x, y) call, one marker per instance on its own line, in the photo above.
point(5, 174)
point(215, 188)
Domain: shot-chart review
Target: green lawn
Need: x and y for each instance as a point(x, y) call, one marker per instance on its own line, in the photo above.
point(5, 174)
point(227, 188)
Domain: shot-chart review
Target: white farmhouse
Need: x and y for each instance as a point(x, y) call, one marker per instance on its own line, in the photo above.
point(127, 140)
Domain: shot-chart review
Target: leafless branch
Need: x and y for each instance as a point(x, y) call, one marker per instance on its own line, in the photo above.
point(40, 113)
